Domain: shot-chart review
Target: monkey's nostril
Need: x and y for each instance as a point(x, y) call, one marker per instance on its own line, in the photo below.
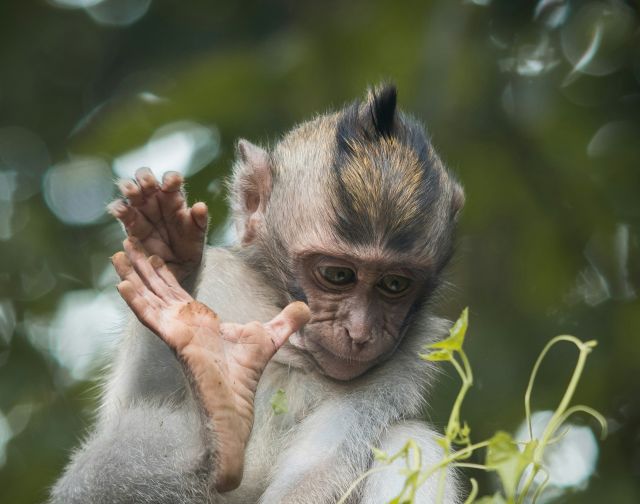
point(356, 343)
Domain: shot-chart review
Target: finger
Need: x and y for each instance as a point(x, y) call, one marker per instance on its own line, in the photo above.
point(135, 223)
point(131, 191)
point(288, 321)
point(147, 181)
point(121, 211)
point(139, 304)
point(125, 271)
point(171, 181)
point(138, 257)
point(165, 274)
point(200, 215)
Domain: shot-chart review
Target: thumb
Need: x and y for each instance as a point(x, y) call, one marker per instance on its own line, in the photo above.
point(288, 321)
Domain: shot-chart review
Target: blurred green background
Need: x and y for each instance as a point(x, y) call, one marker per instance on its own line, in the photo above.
point(535, 105)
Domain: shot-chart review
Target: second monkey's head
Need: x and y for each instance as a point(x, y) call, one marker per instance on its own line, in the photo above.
point(354, 213)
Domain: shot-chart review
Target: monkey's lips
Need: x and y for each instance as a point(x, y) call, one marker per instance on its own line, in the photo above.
point(340, 366)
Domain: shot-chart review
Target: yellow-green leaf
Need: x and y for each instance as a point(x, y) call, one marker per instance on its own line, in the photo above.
point(437, 355)
point(508, 461)
point(279, 402)
point(380, 454)
point(456, 335)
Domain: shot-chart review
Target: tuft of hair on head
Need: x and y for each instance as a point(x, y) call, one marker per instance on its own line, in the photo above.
point(381, 102)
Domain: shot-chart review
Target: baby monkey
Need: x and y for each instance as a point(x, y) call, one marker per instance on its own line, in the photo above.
point(344, 229)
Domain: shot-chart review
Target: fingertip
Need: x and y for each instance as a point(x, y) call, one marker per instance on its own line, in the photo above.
point(117, 208)
point(171, 181)
point(200, 213)
point(127, 187)
point(288, 321)
point(117, 256)
point(131, 241)
point(299, 312)
point(123, 287)
point(156, 261)
point(146, 179)
point(129, 244)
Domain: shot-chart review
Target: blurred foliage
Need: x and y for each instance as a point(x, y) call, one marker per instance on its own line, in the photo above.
point(536, 106)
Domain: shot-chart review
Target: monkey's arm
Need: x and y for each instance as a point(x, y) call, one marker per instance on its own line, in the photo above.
point(150, 453)
point(150, 448)
point(333, 449)
point(150, 443)
point(381, 487)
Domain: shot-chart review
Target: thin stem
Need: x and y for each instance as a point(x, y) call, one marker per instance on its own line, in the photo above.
point(541, 487)
point(470, 465)
point(473, 493)
point(558, 416)
point(528, 482)
point(579, 408)
point(353, 485)
point(463, 453)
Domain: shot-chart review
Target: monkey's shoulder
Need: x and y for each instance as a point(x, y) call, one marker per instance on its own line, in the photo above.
point(234, 290)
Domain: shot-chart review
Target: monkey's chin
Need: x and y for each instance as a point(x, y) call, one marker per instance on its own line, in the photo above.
point(340, 368)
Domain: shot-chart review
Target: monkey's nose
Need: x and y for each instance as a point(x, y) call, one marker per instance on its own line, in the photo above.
point(358, 341)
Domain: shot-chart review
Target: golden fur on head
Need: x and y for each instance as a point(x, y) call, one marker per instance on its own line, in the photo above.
point(391, 190)
point(380, 175)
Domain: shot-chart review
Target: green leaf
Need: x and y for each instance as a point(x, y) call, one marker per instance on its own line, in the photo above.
point(279, 402)
point(456, 335)
point(504, 456)
point(438, 355)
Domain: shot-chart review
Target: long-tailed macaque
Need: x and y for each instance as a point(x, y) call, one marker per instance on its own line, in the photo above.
point(344, 229)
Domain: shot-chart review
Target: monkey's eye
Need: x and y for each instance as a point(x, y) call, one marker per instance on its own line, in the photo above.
point(338, 276)
point(394, 284)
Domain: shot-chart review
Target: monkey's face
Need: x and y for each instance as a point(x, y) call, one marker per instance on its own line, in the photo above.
point(360, 307)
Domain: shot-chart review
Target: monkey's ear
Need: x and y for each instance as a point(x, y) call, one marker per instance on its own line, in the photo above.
point(250, 188)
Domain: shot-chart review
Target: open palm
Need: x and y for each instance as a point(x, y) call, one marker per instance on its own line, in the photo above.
point(224, 361)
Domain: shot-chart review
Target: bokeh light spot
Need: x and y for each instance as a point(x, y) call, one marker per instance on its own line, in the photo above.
point(118, 12)
point(23, 159)
point(553, 13)
point(5, 437)
point(85, 326)
point(611, 137)
point(595, 39)
point(183, 146)
point(74, 4)
point(77, 191)
point(570, 461)
point(7, 321)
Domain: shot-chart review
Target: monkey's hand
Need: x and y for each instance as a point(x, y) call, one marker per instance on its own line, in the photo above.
point(223, 361)
point(158, 215)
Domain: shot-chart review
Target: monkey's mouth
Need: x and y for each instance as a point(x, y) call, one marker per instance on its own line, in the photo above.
point(348, 358)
